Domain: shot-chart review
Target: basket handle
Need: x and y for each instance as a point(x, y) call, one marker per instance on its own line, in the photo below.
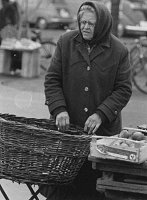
point(103, 137)
point(135, 129)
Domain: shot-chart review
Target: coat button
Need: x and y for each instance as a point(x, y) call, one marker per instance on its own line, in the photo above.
point(86, 89)
point(115, 112)
point(88, 68)
point(86, 109)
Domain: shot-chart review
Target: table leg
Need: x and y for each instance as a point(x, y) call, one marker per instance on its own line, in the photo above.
point(5, 61)
point(34, 194)
point(3, 193)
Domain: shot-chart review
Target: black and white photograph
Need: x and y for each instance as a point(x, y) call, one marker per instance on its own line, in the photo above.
point(73, 100)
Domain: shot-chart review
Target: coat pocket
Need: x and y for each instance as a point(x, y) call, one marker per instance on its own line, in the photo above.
point(105, 65)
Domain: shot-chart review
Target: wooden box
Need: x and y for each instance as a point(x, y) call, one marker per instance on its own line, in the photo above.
point(110, 148)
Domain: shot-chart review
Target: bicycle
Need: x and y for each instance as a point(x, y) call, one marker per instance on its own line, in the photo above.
point(46, 50)
point(138, 60)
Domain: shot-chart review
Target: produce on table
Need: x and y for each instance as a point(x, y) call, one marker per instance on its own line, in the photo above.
point(125, 134)
point(124, 143)
point(138, 136)
point(130, 136)
point(135, 135)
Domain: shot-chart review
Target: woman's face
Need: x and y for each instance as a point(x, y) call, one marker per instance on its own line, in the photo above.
point(87, 25)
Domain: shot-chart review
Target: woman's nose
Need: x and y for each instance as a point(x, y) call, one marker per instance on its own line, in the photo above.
point(86, 25)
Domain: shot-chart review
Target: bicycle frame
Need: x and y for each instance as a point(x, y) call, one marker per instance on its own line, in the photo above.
point(138, 64)
point(47, 49)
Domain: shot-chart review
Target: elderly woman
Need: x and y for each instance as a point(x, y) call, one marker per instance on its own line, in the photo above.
point(88, 82)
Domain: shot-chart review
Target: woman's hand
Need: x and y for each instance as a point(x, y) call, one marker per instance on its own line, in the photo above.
point(62, 121)
point(92, 123)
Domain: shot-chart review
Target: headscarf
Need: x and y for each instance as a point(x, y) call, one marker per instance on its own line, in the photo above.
point(103, 25)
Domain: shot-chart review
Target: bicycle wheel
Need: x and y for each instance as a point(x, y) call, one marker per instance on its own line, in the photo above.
point(139, 70)
point(139, 76)
point(46, 52)
point(140, 79)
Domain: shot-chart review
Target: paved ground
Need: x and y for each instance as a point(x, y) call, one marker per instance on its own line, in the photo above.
point(24, 84)
point(23, 96)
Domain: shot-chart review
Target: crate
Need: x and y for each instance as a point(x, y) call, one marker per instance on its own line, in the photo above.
point(110, 148)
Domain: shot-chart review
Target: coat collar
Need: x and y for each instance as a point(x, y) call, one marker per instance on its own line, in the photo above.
point(106, 43)
point(98, 49)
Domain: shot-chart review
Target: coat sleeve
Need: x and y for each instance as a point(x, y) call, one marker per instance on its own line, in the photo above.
point(53, 83)
point(122, 89)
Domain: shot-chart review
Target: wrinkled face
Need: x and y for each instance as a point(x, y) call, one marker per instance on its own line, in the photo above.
point(87, 25)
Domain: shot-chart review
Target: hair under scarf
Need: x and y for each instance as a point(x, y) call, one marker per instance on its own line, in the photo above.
point(103, 22)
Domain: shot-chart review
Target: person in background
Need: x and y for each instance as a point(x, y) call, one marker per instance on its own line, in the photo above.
point(88, 83)
point(9, 24)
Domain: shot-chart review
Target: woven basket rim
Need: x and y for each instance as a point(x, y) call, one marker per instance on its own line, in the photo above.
point(28, 126)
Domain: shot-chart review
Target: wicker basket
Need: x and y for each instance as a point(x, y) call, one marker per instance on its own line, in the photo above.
point(32, 150)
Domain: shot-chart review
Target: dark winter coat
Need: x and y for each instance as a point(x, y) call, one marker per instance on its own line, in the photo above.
point(84, 84)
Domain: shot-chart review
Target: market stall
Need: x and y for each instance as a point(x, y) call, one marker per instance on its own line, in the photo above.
point(123, 163)
point(30, 59)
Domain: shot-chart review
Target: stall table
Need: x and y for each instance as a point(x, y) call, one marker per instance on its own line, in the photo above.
point(121, 180)
point(30, 62)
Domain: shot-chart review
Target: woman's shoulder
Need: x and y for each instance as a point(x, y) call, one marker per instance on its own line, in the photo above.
point(69, 34)
point(118, 43)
